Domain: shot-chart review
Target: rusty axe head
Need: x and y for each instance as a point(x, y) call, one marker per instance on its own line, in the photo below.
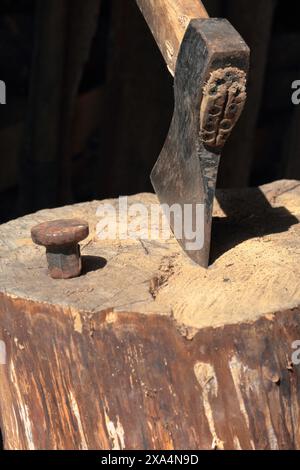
point(210, 92)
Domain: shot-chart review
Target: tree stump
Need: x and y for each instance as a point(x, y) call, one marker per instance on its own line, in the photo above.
point(147, 350)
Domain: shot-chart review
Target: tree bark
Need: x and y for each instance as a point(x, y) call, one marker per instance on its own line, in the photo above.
point(147, 350)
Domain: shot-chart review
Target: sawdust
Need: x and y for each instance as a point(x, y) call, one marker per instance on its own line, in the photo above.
point(166, 271)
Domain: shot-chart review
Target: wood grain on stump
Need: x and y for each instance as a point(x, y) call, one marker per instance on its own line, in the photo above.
point(147, 350)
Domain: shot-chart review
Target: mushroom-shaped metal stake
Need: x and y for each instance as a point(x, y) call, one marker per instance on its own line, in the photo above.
point(61, 238)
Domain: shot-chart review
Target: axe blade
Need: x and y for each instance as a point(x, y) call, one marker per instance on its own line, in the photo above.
point(209, 85)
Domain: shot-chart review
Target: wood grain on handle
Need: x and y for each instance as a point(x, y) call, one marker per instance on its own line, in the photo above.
point(168, 21)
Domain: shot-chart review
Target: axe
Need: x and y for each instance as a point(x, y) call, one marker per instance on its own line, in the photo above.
point(209, 61)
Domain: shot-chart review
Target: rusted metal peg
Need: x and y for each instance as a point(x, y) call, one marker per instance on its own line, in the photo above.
point(61, 239)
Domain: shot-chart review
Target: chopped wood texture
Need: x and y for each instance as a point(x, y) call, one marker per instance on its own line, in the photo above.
point(147, 350)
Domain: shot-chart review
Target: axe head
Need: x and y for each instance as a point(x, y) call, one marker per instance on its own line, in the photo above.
point(210, 92)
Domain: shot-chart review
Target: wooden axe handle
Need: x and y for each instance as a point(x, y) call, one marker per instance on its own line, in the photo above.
point(168, 21)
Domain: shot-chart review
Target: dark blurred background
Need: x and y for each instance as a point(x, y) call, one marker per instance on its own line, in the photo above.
point(89, 100)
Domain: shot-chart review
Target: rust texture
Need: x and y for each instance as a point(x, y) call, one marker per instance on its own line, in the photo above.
point(128, 381)
point(61, 238)
point(224, 97)
point(60, 232)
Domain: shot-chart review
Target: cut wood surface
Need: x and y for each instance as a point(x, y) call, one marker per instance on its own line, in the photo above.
point(255, 250)
point(168, 21)
point(147, 350)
